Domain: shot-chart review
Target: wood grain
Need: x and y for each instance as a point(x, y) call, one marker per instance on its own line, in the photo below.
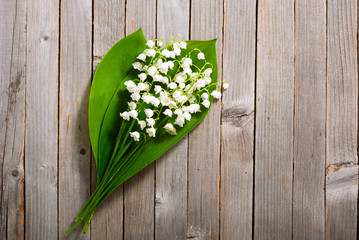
point(237, 134)
point(274, 120)
point(74, 144)
point(109, 27)
point(41, 138)
point(171, 169)
point(342, 121)
point(139, 190)
point(309, 120)
point(12, 118)
point(278, 160)
point(204, 140)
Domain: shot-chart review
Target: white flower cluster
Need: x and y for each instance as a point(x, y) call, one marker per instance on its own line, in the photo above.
point(169, 88)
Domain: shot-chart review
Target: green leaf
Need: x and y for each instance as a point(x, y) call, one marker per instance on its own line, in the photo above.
point(154, 147)
point(111, 72)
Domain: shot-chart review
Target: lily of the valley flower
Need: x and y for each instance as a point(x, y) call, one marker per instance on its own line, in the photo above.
point(170, 129)
point(135, 136)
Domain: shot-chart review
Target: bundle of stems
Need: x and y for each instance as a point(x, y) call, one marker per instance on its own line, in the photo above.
point(122, 158)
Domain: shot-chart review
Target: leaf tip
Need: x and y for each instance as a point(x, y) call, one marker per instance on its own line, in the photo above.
point(140, 31)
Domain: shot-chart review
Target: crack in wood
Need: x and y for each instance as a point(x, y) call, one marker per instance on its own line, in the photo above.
point(336, 167)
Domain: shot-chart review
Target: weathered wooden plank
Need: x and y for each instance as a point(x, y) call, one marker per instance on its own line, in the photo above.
point(12, 118)
point(204, 141)
point(41, 138)
point(238, 120)
point(309, 120)
point(109, 26)
point(274, 120)
point(139, 190)
point(171, 169)
point(342, 121)
point(74, 144)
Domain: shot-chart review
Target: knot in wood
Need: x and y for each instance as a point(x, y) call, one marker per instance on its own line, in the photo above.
point(15, 173)
point(237, 116)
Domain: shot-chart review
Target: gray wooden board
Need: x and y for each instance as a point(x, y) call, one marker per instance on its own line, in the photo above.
point(171, 169)
point(283, 150)
point(109, 27)
point(41, 138)
point(309, 120)
point(204, 140)
point(274, 120)
point(74, 144)
point(139, 190)
point(342, 120)
point(12, 118)
point(238, 120)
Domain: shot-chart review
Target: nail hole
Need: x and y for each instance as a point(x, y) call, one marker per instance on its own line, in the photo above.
point(82, 151)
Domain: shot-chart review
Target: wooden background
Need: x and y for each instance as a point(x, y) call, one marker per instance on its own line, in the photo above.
point(276, 158)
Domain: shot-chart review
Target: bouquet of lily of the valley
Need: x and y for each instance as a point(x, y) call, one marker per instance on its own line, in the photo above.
point(145, 97)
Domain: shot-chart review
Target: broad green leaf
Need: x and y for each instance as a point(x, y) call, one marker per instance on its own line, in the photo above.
point(154, 147)
point(111, 72)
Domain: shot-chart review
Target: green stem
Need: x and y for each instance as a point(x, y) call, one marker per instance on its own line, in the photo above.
point(114, 154)
point(114, 182)
point(109, 175)
point(100, 194)
point(72, 228)
point(113, 176)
